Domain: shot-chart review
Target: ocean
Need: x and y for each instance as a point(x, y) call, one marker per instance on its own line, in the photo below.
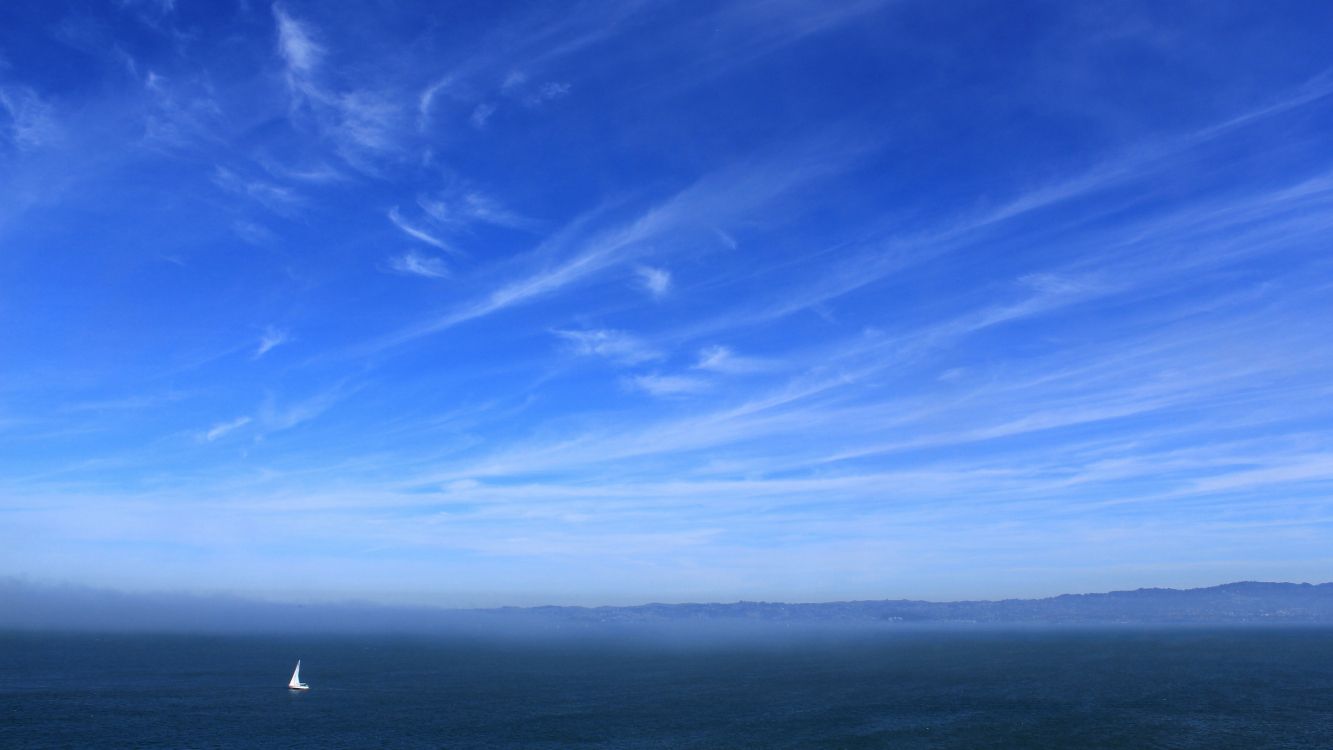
point(1162, 688)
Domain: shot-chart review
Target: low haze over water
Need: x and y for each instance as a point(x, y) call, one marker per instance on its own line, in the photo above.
point(1126, 688)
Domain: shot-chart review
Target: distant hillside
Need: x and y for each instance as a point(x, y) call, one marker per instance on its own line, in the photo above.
point(1246, 602)
point(27, 607)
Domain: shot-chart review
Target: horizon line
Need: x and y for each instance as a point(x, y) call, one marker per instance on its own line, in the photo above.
point(14, 582)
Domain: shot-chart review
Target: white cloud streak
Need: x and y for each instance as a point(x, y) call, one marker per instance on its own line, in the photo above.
point(223, 428)
point(459, 210)
point(419, 234)
point(616, 346)
point(28, 120)
point(281, 200)
point(576, 253)
point(415, 264)
point(481, 114)
point(723, 360)
point(426, 100)
point(363, 122)
point(297, 44)
point(656, 281)
point(668, 385)
point(272, 337)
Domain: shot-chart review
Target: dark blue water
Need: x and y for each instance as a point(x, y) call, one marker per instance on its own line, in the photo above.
point(1108, 689)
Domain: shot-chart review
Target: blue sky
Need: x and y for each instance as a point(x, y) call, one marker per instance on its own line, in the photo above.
point(608, 302)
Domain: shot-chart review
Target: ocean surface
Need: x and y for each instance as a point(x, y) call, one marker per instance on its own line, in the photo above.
point(1125, 688)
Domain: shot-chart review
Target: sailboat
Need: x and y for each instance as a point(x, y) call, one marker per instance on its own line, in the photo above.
point(296, 683)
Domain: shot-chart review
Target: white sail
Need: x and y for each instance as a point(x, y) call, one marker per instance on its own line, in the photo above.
point(296, 683)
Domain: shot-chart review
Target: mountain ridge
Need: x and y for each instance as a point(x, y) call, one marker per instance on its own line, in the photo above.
point(29, 607)
point(1235, 602)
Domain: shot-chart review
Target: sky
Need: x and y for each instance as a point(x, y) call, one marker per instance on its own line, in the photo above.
point(617, 301)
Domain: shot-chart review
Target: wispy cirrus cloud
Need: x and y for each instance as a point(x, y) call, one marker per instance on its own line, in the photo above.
point(297, 45)
point(460, 208)
point(181, 114)
point(413, 263)
point(667, 385)
point(509, 63)
point(885, 254)
point(426, 100)
point(271, 338)
point(223, 428)
point(156, 6)
point(252, 232)
point(578, 251)
point(363, 122)
point(657, 281)
point(481, 114)
point(27, 120)
point(368, 121)
point(518, 87)
point(279, 199)
point(417, 233)
point(724, 360)
point(617, 346)
point(275, 416)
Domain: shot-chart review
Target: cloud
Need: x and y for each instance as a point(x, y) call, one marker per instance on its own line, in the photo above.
point(458, 209)
point(426, 101)
point(276, 198)
point(273, 418)
point(367, 120)
point(218, 430)
point(255, 234)
point(181, 114)
point(889, 253)
point(745, 32)
point(272, 337)
point(416, 264)
point(515, 87)
point(669, 385)
point(314, 172)
point(513, 81)
point(721, 359)
point(297, 44)
point(485, 209)
point(1056, 284)
point(363, 122)
point(161, 7)
point(617, 346)
point(27, 119)
point(712, 357)
point(549, 91)
point(581, 250)
point(657, 281)
point(481, 115)
point(1120, 383)
point(417, 233)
